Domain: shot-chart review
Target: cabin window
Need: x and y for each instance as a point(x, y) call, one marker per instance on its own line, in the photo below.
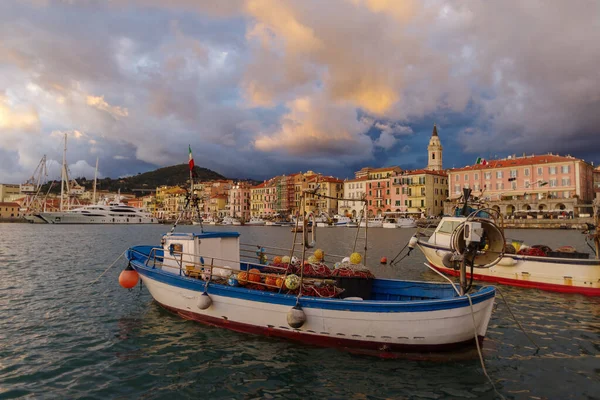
point(449, 226)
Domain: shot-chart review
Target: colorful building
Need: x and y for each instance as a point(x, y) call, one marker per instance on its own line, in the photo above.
point(528, 183)
point(353, 189)
point(239, 201)
point(420, 191)
point(9, 210)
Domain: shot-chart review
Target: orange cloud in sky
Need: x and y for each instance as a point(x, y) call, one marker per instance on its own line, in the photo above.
point(18, 119)
point(101, 104)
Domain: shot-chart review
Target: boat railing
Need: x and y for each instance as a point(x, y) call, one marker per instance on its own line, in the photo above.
point(215, 268)
point(250, 251)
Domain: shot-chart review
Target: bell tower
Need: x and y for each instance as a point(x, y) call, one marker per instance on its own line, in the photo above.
point(434, 161)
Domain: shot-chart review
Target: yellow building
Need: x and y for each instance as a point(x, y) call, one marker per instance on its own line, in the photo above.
point(257, 195)
point(330, 187)
point(9, 192)
point(377, 173)
point(424, 190)
point(9, 210)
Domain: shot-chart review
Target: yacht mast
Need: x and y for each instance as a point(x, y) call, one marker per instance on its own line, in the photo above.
point(63, 174)
point(95, 179)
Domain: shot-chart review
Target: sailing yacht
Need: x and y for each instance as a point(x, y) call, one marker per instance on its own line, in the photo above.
point(114, 212)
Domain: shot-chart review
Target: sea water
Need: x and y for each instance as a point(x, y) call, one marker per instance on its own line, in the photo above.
point(62, 337)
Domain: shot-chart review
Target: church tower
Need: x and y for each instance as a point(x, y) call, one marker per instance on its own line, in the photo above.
point(434, 162)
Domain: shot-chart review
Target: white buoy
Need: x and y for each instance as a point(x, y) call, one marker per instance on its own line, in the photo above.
point(412, 243)
point(296, 317)
point(204, 301)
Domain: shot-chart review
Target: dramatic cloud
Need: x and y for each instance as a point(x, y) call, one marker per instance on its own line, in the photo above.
point(261, 87)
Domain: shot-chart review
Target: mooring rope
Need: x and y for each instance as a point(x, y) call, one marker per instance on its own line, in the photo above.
point(479, 348)
point(518, 323)
point(106, 270)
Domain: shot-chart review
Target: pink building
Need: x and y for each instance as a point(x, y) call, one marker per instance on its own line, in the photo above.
point(539, 183)
point(239, 201)
point(379, 197)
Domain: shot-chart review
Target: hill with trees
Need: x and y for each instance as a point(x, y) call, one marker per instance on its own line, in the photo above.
point(176, 175)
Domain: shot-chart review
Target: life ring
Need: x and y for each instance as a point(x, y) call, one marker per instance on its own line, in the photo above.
point(313, 241)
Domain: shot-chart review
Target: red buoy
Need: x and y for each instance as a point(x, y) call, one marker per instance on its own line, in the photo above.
point(383, 260)
point(128, 278)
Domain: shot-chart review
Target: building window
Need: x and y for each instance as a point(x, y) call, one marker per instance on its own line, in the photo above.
point(553, 182)
point(552, 170)
point(565, 169)
point(527, 184)
point(457, 177)
point(456, 188)
point(499, 174)
point(526, 172)
point(422, 203)
point(513, 173)
point(476, 176)
point(397, 203)
point(513, 185)
point(499, 185)
point(567, 194)
point(466, 177)
point(433, 156)
point(397, 190)
point(476, 187)
point(488, 176)
point(566, 181)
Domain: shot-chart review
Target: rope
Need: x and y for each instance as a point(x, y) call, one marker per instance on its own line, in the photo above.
point(443, 276)
point(479, 348)
point(518, 323)
point(106, 270)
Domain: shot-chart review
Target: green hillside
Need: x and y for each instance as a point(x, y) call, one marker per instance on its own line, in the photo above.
point(176, 175)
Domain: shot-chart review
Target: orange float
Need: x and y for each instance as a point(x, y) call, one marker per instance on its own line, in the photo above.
point(128, 278)
point(254, 275)
point(279, 282)
point(271, 280)
point(242, 278)
point(277, 260)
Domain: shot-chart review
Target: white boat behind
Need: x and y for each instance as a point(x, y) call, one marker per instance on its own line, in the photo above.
point(552, 271)
point(256, 221)
point(375, 222)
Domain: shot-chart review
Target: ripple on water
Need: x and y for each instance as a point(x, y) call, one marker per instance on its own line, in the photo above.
point(61, 338)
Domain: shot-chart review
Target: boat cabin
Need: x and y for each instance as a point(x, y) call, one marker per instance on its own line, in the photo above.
point(208, 248)
point(443, 232)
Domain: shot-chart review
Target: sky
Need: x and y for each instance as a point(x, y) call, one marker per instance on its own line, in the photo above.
point(266, 87)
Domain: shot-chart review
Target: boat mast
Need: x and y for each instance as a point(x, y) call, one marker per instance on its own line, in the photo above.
point(63, 177)
point(95, 179)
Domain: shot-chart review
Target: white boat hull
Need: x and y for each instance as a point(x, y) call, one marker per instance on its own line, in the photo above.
point(75, 218)
point(406, 223)
point(547, 273)
point(376, 331)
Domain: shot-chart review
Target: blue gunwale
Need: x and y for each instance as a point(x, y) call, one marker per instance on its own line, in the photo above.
point(138, 256)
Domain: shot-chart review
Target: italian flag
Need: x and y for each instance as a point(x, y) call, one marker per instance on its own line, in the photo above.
point(480, 160)
point(191, 160)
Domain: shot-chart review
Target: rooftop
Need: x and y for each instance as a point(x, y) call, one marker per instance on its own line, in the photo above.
point(517, 162)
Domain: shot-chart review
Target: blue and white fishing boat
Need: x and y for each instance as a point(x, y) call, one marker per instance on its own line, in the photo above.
point(189, 274)
point(211, 278)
